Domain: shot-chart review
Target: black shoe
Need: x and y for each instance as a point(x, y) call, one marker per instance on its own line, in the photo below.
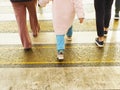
point(99, 43)
point(116, 16)
point(35, 35)
point(27, 49)
point(105, 33)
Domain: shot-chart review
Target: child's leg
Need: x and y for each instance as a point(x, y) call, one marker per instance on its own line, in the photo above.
point(70, 32)
point(60, 46)
point(60, 42)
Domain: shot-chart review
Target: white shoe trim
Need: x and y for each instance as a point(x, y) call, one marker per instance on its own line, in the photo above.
point(99, 44)
point(60, 57)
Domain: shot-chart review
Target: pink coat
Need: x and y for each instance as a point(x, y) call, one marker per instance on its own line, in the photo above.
point(64, 13)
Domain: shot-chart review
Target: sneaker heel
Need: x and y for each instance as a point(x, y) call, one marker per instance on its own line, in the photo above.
point(60, 56)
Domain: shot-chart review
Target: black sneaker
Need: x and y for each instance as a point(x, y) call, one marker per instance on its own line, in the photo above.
point(105, 33)
point(99, 43)
point(27, 49)
point(116, 16)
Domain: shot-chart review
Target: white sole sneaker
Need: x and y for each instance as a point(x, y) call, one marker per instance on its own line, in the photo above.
point(99, 44)
point(60, 57)
point(116, 18)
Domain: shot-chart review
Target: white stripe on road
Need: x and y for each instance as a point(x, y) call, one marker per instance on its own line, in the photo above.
point(49, 38)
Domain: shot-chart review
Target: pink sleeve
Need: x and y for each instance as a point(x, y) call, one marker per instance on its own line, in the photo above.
point(43, 2)
point(78, 5)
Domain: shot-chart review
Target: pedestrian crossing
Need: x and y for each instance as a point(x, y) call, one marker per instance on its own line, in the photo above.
point(7, 15)
point(49, 38)
point(86, 67)
point(83, 40)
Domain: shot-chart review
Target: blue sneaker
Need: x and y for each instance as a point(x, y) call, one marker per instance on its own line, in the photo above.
point(99, 43)
point(60, 55)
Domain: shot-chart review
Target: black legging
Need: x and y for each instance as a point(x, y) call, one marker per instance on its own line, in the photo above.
point(117, 6)
point(103, 15)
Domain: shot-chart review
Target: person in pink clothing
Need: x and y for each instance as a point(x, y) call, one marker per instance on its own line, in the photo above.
point(63, 17)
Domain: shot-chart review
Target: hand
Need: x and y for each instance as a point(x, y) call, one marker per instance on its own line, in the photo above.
point(81, 20)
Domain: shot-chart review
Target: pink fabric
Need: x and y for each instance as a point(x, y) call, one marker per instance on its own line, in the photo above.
point(64, 13)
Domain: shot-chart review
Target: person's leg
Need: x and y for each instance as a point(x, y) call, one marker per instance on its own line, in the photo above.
point(117, 9)
point(117, 6)
point(99, 10)
point(108, 7)
point(60, 46)
point(20, 13)
point(33, 17)
point(60, 42)
point(69, 33)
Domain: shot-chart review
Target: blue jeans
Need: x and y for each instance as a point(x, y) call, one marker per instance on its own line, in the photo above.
point(70, 32)
point(61, 41)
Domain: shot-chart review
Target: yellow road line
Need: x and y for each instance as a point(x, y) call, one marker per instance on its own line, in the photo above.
point(42, 63)
point(6, 48)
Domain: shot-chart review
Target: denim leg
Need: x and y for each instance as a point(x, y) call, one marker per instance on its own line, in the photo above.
point(60, 42)
point(70, 32)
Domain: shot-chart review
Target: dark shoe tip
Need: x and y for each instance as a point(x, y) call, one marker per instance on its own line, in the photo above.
point(27, 49)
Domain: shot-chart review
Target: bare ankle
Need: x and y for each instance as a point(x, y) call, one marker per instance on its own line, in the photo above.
point(101, 38)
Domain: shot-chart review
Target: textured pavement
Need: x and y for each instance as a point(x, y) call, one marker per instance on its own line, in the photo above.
point(75, 54)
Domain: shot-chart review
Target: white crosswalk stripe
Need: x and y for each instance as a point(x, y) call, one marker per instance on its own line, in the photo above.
point(49, 38)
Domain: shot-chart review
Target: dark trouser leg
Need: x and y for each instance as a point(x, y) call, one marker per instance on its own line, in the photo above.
point(117, 6)
point(100, 12)
point(108, 6)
